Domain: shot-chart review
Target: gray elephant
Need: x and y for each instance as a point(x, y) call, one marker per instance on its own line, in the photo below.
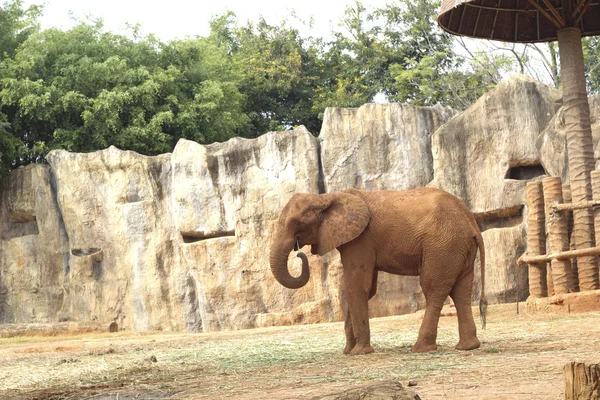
point(424, 232)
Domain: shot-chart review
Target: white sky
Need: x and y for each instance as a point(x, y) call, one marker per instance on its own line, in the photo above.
point(177, 18)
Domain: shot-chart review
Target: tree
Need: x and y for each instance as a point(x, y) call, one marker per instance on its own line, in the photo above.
point(437, 68)
point(399, 52)
point(354, 63)
point(86, 89)
point(16, 25)
point(278, 72)
point(591, 51)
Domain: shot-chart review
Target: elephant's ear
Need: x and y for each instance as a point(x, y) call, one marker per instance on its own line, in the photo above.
point(342, 221)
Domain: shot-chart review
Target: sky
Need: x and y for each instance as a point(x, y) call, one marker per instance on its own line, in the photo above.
point(178, 18)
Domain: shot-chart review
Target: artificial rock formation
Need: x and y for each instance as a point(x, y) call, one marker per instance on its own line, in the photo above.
point(180, 241)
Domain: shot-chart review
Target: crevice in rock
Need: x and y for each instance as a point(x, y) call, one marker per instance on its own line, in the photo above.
point(193, 237)
point(61, 222)
point(18, 226)
point(320, 172)
point(505, 218)
point(97, 269)
point(525, 172)
point(85, 252)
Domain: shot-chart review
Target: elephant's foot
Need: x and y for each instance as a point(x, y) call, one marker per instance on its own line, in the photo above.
point(358, 349)
point(468, 344)
point(423, 347)
point(349, 347)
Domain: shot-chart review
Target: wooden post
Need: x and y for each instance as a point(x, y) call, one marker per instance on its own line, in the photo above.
point(582, 381)
point(536, 239)
point(558, 240)
point(549, 280)
point(596, 196)
point(566, 190)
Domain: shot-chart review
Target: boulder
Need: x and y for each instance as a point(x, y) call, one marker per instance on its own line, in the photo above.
point(34, 247)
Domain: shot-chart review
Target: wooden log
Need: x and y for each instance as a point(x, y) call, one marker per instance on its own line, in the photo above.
point(558, 239)
point(560, 207)
point(582, 382)
point(563, 255)
point(536, 239)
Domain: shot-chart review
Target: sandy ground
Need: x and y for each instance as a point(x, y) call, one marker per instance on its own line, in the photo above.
point(522, 357)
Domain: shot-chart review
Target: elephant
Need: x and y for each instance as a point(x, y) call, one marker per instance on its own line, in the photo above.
point(423, 232)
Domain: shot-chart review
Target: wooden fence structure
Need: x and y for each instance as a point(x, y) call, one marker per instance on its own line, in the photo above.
point(555, 265)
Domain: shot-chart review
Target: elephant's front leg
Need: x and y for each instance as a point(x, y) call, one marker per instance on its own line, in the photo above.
point(350, 337)
point(348, 328)
point(357, 285)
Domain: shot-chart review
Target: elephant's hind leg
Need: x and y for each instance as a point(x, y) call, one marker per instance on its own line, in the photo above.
point(436, 284)
point(461, 295)
point(428, 331)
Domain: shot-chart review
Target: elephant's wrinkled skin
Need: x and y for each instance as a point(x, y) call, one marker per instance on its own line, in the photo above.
point(425, 232)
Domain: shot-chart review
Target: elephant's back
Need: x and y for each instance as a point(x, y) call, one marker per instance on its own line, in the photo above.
point(419, 209)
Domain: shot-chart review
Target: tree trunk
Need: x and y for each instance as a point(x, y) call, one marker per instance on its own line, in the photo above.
point(582, 382)
point(579, 148)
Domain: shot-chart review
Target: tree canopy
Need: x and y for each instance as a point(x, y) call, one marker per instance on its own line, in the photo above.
point(84, 88)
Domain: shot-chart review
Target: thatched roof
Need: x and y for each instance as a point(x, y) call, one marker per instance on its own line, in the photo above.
point(518, 20)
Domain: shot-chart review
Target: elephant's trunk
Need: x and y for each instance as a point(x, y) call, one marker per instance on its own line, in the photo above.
point(279, 267)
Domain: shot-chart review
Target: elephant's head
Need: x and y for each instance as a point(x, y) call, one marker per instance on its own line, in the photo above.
point(323, 221)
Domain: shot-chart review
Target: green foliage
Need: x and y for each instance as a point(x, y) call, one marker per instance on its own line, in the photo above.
point(16, 25)
point(278, 71)
point(85, 89)
point(432, 71)
point(353, 64)
point(591, 51)
point(10, 148)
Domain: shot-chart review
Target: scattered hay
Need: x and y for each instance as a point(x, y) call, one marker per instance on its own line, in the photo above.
point(242, 362)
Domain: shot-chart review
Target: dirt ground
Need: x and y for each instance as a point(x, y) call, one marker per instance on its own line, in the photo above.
point(522, 357)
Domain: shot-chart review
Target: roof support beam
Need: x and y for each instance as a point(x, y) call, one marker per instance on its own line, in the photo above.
point(586, 5)
point(554, 12)
point(546, 14)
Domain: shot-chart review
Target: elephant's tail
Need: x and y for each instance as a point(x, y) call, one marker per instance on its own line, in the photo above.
point(482, 300)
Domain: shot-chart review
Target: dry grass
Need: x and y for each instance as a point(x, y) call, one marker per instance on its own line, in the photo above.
point(522, 357)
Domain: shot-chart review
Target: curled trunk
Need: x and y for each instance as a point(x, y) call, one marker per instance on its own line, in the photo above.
point(279, 267)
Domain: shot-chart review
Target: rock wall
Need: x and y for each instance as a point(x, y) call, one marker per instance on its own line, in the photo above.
point(180, 241)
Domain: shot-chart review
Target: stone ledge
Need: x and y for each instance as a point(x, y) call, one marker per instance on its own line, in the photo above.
point(57, 328)
point(565, 303)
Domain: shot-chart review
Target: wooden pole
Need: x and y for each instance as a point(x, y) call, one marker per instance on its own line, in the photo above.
point(563, 255)
point(566, 189)
point(558, 240)
point(582, 382)
point(536, 239)
point(596, 196)
point(568, 206)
